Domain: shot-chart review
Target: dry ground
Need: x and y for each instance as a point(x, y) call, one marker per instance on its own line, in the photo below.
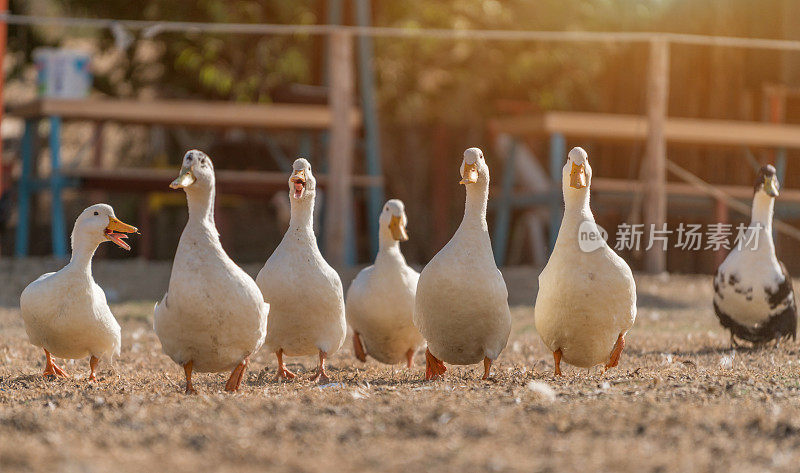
point(680, 401)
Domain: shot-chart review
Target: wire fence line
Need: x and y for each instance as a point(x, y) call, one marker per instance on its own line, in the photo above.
point(151, 28)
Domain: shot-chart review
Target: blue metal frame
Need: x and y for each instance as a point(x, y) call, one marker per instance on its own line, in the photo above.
point(24, 190)
point(28, 184)
point(58, 229)
point(503, 218)
point(558, 150)
point(375, 193)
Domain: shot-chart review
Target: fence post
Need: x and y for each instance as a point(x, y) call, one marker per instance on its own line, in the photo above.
point(655, 196)
point(339, 198)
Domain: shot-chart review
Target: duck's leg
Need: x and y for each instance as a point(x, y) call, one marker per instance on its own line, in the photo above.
point(734, 343)
point(358, 348)
point(187, 369)
point(557, 360)
point(616, 352)
point(410, 358)
point(236, 375)
point(51, 368)
point(487, 367)
point(282, 371)
point(321, 377)
point(434, 368)
point(92, 367)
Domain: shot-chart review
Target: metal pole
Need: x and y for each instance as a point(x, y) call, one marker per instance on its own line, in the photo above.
point(372, 151)
point(24, 189)
point(502, 221)
point(58, 228)
point(3, 34)
point(558, 156)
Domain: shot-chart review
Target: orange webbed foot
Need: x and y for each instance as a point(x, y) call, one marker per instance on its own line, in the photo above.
point(282, 373)
point(321, 377)
point(187, 369)
point(237, 375)
point(557, 360)
point(616, 352)
point(92, 367)
point(51, 368)
point(487, 367)
point(358, 348)
point(434, 367)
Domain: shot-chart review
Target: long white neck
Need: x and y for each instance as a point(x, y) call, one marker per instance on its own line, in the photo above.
point(388, 248)
point(82, 252)
point(576, 204)
point(476, 202)
point(763, 208)
point(201, 207)
point(302, 218)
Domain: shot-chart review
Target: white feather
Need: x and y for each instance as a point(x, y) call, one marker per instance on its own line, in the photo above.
point(213, 313)
point(462, 302)
point(304, 291)
point(586, 299)
point(66, 312)
point(380, 301)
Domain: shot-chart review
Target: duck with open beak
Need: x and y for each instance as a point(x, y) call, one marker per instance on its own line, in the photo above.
point(116, 232)
point(70, 327)
point(298, 181)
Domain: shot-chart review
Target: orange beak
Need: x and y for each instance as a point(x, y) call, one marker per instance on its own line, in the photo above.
point(116, 232)
point(577, 177)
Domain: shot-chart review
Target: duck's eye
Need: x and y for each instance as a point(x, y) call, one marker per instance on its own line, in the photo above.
point(97, 213)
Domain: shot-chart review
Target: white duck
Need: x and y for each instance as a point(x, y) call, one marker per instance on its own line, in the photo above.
point(380, 301)
point(753, 295)
point(305, 293)
point(213, 317)
point(462, 302)
point(66, 312)
point(587, 296)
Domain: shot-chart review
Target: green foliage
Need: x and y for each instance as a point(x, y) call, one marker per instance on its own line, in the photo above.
point(418, 79)
point(213, 66)
point(454, 80)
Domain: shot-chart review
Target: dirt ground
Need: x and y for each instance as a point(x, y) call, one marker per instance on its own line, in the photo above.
point(680, 401)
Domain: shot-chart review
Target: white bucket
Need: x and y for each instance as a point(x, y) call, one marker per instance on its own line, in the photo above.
point(62, 73)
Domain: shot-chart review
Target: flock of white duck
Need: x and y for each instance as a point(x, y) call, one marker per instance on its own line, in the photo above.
point(214, 316)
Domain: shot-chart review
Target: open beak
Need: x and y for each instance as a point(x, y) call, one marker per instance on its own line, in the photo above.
point(116, 232)
point(185, 179)
point(298, 181)
point(398, 229)
point(470, 174)
point(577, 177)
point(771, 186)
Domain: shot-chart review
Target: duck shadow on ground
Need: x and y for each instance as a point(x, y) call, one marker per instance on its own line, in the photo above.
point(720, 350)
point(653, 301)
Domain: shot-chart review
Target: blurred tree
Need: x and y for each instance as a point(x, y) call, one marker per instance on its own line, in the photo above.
point(230, 67)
